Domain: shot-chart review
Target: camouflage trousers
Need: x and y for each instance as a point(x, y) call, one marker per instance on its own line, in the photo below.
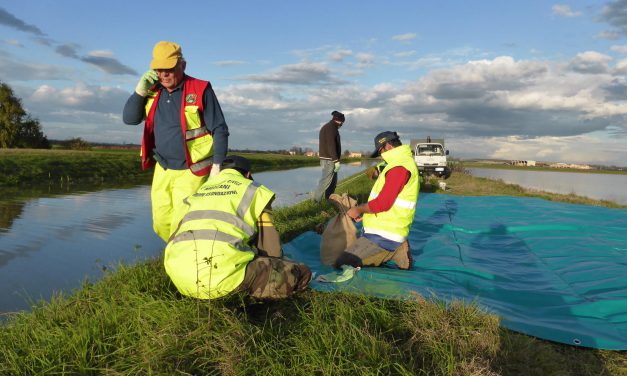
point(274, 278)
point(364, 252)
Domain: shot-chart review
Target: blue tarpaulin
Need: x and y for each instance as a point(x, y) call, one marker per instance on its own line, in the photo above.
point(552, 270)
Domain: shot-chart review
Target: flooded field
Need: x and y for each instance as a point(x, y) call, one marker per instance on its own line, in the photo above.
point(596, 186)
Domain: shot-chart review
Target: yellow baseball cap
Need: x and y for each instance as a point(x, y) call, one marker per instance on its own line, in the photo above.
point(165, 55)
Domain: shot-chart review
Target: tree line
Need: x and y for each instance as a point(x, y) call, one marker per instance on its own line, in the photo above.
point(17, 128)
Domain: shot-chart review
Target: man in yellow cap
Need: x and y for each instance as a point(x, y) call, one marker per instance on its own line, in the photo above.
point(185, 134)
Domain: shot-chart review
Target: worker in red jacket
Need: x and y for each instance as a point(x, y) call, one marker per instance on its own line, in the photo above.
point(389, 212)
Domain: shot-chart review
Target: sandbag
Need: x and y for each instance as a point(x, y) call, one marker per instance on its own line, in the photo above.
point(340, 231)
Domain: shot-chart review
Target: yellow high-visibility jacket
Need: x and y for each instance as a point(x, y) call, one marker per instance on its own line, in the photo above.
point(206, 256)
point(394, 224)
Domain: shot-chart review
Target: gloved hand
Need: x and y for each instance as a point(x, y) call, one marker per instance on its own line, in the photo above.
point(215, 170)
point(372, 173)
point(145, 82)
point(337, 166)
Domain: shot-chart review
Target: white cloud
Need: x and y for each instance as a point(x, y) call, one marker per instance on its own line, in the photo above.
point(447, 58)
point(621, 66)
point(598, 149)
point(228, 63)
point(404, 37)
point(90, 112)
point(424, 62)
point(590, 62)
point(405, 53)
point(614, 14)
point(564, 11)
point(621, 49)
point(340, 55)
point(87, 111)
point(611, 35)
point(512, 101)
point(25, 71)
point(297, 74)
point(253, 96)
point(13, 42)
point(100, 53)
point(365, 59)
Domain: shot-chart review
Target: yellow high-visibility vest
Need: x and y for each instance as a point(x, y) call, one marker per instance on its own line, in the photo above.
point(394, 224)
point(206, 256)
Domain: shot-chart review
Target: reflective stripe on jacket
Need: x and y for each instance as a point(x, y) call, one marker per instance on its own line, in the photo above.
point(206, 257)
point(394, 224)
point(198, 139)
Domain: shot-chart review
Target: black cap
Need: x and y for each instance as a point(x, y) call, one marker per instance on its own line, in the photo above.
point(236, 162)
point(337, 115)
point(381, 139)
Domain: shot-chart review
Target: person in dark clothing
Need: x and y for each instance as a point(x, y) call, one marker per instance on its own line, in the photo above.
point(330, 150)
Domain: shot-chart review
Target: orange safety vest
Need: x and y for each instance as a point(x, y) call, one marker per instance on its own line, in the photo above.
point(198, 139)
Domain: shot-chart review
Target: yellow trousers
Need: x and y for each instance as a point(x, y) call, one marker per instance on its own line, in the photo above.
point(169, 188)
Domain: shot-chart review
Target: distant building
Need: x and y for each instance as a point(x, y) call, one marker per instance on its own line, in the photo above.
point(354, 154)
point(570, 165)
point(311, 154)
point(523, 163)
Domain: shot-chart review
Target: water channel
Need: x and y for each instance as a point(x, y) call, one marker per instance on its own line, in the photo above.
point(597, 186)
point(53, 243)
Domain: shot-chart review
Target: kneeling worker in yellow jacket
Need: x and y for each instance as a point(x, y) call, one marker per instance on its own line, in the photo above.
point(225, 241)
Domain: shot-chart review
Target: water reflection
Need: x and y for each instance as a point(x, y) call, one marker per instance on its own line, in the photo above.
point(8, 212)
point(595, 186)
point(298, 184)
point(53, 243)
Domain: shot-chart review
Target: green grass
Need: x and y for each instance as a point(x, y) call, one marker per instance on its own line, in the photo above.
point(65, 167)
point(41, 167)
point(294, 220)
point(134, 322)
point(263, 162)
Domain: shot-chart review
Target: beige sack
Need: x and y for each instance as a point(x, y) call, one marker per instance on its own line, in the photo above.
point(340, 233)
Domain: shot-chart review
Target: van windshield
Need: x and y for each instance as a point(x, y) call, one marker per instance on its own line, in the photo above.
point(429, 149)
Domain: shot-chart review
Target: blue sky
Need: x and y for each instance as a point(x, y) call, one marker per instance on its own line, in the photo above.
point(528, 79)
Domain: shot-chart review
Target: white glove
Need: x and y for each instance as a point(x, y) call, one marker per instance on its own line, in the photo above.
point(337, 166)
point(148, 79)
point(215, 170)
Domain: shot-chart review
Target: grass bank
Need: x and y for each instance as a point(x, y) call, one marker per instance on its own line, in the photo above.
point(134, 322)
point(61, 168)
point(39, 167)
